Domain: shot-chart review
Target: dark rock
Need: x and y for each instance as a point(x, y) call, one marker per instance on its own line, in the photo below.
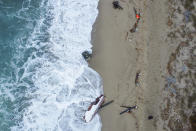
point(150, 117)
point(87, 55)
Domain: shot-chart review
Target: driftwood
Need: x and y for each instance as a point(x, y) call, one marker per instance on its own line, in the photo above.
point(106, 104)
point(128, 109)
point(137, 15)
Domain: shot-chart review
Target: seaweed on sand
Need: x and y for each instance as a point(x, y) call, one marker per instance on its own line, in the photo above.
point(192, 120)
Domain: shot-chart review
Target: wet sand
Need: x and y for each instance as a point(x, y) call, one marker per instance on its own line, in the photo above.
point(118, 55)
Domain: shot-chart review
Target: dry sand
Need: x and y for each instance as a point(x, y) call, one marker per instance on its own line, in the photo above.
point(118, 55)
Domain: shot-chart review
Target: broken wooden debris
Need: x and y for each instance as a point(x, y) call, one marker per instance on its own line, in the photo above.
point(106, 104)
point(128, 109)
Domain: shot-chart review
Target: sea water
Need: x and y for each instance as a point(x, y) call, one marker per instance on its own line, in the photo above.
point(45, 83)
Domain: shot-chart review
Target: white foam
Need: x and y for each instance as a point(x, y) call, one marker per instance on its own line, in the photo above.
point(64, 84)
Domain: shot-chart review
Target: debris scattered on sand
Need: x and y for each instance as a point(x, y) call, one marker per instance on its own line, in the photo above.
point(106, 104)
point(137, 78)
point(150, 117)
point(137, 15)
point(134, 29)
point(129, 108)
point(87, 55)
point(116, 5)
point(94, 107)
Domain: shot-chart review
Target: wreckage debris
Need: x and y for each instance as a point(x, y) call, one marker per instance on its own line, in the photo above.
point(128, 109)
point(93, 108)
point(137, 15)
point(103, 105)
point(134, 29)
point(137, 78)
point(150, 117)
point(116, 5)
point(87, 55)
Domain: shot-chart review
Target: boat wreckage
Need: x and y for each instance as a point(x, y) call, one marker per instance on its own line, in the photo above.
point(93, 108)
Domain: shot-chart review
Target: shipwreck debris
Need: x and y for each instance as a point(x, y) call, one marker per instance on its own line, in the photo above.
point(116, 5)
point(134, 29)
point(93, 108)
point(129, 108)
point(106, 104)
point(137, 78)
point(150, 117)
point(137, 15)
point(87, 55)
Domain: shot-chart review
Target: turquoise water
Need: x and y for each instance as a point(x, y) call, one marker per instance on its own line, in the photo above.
point(18, 19)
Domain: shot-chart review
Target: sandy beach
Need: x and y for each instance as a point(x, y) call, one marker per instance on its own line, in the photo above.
point(119, 55)
point(153, 68)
